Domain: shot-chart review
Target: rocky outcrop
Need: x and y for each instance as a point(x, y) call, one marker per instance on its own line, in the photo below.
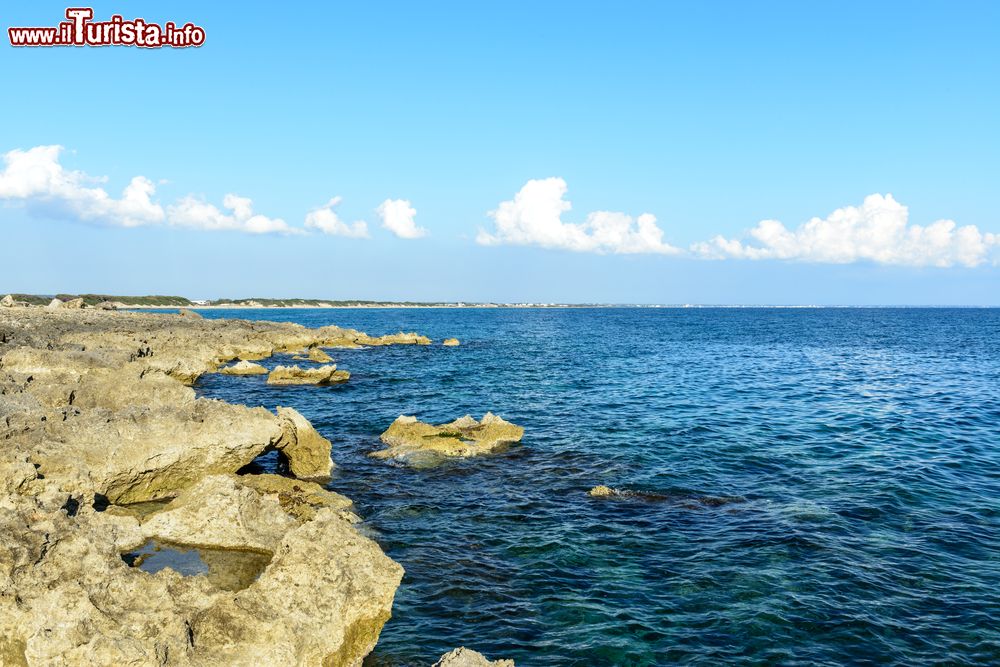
point(418, 443)
point(244, 368)
point(323, 375)
point(7, 302)
point(105, 449)
point(187, 312)
point(464, 657)
point(315, 354)
point(601, 491)
point(307, 451)
point(450, 342)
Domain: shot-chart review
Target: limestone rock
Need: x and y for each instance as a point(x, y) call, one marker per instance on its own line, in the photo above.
point(55, 303)
point(74, 304)
point(244, 368)
point(464, 657)
point(415, 441)
point(323, 375)
point(104, 448)
point(450, 342)
point(308, 452)
point(7, 302)
point(187, 312)
point(319, 356)
point(107, 305)
point(601, 491)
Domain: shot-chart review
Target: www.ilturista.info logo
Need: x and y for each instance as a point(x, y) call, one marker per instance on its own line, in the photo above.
point(80, 30)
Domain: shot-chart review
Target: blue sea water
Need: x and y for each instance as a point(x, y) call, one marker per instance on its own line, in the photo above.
point(825, 483)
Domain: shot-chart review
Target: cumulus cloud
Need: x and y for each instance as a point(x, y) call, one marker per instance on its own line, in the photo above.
point(36, 179)
point(194, 213)
point(877, 231)
point(534, 217)
point(326, 220)
point(398, 217)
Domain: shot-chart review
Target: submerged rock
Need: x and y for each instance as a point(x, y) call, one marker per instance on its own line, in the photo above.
point(323, 375)
point(450, 342)
point(244, 368)
point(409, 439)
point(686, 500)
point(464, 657)
point(307, 451)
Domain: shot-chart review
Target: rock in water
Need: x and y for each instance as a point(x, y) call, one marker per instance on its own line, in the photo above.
point(464, 657)
point(601, 491)
point(308, 452)
point(244, 368)
point(319, 356)
point(450, 342)
point(320, 375)
point(412, 440)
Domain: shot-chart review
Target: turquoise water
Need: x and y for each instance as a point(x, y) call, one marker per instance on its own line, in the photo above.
point(825, 483)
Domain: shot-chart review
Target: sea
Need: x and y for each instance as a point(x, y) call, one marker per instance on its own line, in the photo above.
point(797, 486)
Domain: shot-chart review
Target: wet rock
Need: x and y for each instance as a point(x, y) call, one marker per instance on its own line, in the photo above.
point(450, 342)
point(307, 451)
point(244, 368)
point(319, 356)
point(409, 439)
point(322, 375)
point(464, 657)
point(601, 491)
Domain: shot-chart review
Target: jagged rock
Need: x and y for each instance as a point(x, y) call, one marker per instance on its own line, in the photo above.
point(187, 312)
point(94, 411)
point(307, 451)
point(464, 657)
point(74, 304)
point(107, 305)
point(419, 443)
point(244, 368)
point(7, 302)
point(323, 375)
point(450, 342)
point(319, 356)
point(601, 491)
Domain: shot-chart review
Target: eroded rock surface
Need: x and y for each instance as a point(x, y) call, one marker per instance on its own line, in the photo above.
point(103, 447)
point(244, 368)
point(418, 443)
point(464, 657)
point(322, 375)
point(307, 451)
point(450, 342)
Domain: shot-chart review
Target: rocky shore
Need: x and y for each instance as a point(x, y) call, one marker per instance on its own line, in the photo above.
point(107, 453)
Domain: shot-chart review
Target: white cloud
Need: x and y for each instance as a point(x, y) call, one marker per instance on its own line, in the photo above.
point(326, 220)
point(534, 217)
point(877, 231)
point(397, 216)
point(36, 178)
point(195, 213)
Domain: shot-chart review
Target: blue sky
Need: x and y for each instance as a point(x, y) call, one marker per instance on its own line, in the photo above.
point(710, 117)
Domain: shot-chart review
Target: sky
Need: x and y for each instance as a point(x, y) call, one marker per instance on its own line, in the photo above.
point(633, 152)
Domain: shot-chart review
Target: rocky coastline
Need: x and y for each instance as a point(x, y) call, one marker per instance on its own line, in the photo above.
point(108, 456)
